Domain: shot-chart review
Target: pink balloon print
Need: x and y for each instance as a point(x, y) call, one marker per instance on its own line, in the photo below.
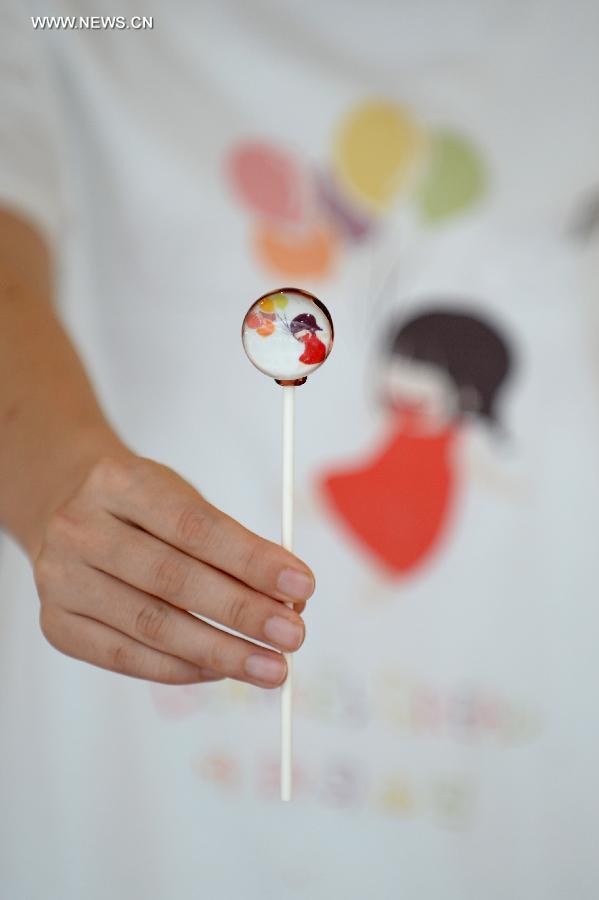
point(269, 181)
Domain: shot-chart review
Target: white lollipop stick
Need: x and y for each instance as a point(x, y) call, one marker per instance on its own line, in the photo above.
point(287, 542)
point(287, 334)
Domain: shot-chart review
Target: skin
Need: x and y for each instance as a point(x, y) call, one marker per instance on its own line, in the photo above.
point(124, 551)
point(415, 385)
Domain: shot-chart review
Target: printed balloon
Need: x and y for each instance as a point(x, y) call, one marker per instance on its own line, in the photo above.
point(375, 152)
point(269, 181)
point(455, 178)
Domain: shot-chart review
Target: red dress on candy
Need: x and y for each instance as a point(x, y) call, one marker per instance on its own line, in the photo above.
point(315, 351)
point(397, 503)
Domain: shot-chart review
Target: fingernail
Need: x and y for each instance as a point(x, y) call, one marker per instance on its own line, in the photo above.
point(283, 632)
point(295, 584)
point(265, 668)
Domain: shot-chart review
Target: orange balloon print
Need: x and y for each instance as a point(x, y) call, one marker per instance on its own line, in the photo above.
point(266, 328)
point(309, 253)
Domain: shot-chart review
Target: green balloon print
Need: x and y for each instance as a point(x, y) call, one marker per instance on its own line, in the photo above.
point(455, 178)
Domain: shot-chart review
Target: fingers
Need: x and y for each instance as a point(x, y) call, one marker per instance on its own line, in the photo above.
point(141, 560)
point(125, 563)
point(102, 646)
point(163, 504)
point(177, 634)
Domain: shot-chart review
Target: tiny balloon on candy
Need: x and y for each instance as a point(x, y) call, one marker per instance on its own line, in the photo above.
point(287, 334)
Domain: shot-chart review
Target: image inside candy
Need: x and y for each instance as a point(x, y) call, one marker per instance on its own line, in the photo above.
point(287, 335)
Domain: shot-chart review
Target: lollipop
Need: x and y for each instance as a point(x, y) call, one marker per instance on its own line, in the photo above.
point(287, 335)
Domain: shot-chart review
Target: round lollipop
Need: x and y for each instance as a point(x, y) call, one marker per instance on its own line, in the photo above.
point(287, 335)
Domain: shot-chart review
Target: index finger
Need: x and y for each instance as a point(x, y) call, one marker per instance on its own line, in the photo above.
point(158, 500)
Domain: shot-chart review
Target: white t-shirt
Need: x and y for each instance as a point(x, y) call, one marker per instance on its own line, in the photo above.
point(394, 159)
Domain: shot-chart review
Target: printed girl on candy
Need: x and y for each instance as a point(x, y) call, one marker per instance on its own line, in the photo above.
point(304, 328)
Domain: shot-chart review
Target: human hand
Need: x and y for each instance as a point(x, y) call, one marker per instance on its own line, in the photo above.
point(135, 551)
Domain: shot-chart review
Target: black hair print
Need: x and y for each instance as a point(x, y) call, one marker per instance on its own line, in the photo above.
point(470, 349)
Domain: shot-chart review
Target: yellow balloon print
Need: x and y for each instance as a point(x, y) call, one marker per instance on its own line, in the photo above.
point(268, 304)
point(375, 151)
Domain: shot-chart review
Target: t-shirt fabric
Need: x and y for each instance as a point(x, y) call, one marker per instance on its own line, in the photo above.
point(407, 163)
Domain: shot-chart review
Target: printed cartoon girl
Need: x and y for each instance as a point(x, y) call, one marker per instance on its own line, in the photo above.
point(440, 369)
point(304, 328)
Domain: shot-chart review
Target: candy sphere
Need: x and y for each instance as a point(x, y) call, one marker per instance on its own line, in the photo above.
point(287, 334)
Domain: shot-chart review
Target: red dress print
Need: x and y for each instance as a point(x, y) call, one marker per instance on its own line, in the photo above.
point(314, 350)
point(397, 503)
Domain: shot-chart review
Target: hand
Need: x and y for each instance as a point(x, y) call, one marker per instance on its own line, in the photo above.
point(135, 551)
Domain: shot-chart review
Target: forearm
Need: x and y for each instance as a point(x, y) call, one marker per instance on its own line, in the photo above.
point(51, 426)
